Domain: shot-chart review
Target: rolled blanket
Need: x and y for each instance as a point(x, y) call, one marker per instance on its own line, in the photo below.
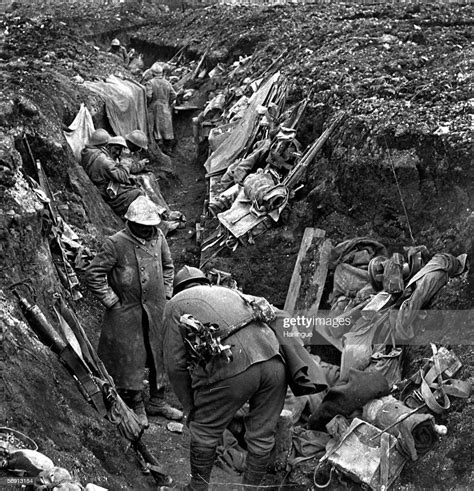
point(264, 194)
point(416, 433)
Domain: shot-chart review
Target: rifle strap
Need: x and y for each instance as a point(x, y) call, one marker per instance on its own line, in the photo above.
point(225, 332)
point(87, 384)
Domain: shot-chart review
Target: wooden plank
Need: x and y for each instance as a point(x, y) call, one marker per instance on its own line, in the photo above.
point(308, 267)
point(309, 304)
point(318, 282)
point(320, 275)
point(295, 282)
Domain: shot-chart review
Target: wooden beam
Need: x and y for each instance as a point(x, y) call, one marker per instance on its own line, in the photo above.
point(295, 283)
point(304, 297)
point(319, 276)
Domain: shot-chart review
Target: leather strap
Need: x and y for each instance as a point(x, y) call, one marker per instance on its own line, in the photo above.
point(430, 399)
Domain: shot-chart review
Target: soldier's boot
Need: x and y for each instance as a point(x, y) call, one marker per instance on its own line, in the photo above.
point(202, 460)
point(255, 469)
point(157, 406)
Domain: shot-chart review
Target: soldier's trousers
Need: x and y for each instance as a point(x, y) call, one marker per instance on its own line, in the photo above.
point(263, 385)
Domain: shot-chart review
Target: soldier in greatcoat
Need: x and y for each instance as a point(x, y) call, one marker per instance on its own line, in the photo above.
point(161, 96)
point(132, 276)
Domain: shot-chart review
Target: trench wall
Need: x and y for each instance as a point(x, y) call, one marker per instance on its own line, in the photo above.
point(173, 4)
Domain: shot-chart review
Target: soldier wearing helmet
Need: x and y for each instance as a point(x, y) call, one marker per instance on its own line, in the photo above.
point(132, 276)
point(161, 96)
point(137, 143)
point(157, 69)
point(96, 144)
point(118, 50)
point(212, 394)
point(111, 176)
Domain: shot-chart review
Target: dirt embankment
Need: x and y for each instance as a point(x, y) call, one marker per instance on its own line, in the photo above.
point(401, 72)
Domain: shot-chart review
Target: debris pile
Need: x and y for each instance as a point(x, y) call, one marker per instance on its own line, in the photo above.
point(255, 161)
point(371, 421)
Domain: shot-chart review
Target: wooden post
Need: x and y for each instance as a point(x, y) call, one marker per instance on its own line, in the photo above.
point(295, 283)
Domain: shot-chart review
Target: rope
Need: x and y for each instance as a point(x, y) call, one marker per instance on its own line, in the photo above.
point(325, 485)
point(399, 190)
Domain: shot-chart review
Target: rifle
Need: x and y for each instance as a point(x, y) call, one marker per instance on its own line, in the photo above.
point(298, 170)
point(68, 276)
point(76, 353)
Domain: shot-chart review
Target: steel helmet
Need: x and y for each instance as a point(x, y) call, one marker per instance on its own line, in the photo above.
point(118, 140)
point(99, 137)
point(186, 275)
point(115, 42)
point(138, 138)
point(375, 270)
point(156, 68)
point(143, 211)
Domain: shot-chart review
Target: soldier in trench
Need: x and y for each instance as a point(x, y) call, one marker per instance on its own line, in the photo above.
point(101, 161)
point(161, 96)
point(212, 395)
point(132, 276)
point(137, 143)
point(118, 50)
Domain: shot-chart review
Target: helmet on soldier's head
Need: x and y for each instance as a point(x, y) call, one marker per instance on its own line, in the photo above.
point(157, 68)
point(186, 275)
point(143, 211)
point(99, 137)
point(115, 42)
point(138, 138)
point(118, 140)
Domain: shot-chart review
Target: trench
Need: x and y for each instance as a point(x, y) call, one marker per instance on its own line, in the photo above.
point(263, 269)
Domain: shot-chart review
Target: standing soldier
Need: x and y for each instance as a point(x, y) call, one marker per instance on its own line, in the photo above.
point(118, 50)
point(161, 96)
point(132, 276)
point(212, 394)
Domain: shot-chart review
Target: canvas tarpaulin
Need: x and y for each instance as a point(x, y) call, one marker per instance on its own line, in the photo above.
point(125, 104)
point(80, 131)
point(239, 218)
point(235, 144)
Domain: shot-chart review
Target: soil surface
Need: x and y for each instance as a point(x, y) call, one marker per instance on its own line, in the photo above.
point(403, 75)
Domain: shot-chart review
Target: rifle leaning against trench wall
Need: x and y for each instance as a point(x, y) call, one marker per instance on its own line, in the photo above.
point(77, 354)
point(42, 188)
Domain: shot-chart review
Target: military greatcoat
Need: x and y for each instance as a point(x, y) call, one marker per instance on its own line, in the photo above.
point(132, 278)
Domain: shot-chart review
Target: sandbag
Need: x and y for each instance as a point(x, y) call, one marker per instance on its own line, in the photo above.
point(50, 479)
point(30, 462)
